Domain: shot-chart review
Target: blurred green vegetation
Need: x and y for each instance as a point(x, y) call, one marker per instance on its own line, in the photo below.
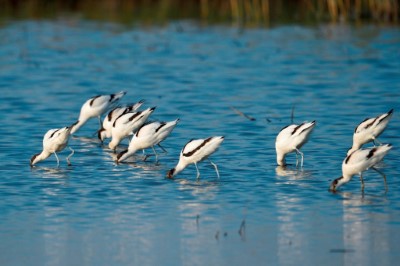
point(239, 12)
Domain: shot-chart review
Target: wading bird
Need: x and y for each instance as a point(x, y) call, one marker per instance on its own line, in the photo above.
point(369, 129)
point(105, 131)
point(195, 151)
point(290, 139)
point(95, 107)
point(148, 136)
point(358, 162)
point(127, 124)
point(55, 140)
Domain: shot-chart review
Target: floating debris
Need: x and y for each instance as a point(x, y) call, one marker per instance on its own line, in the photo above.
point(341, 250)
point(242, 114)
point(217, 235)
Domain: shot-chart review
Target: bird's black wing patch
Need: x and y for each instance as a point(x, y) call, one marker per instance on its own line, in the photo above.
point(135, 115)
point(188, 154)
point(52, 134)
point(296, 128)
point(371, 153)
point(161, 125)
point(94, 98)
point(348, 158)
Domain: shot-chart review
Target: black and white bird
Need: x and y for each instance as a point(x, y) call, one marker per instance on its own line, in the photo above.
point(358, 162)
point(195, 151)
point(105, 131)
point(290, 139)
point(96, 107)
point(148, 136)
point(369, 129)
point(55, 140)
point(127, 124)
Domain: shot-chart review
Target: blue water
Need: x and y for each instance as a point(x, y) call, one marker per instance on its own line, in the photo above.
point(98, 213)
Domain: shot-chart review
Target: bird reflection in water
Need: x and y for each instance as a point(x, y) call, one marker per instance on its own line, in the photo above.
point(292, 172)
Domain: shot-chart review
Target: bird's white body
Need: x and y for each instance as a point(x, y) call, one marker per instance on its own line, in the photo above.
point(147, 136)
point(95, 107)
point(195, 151)
point(369, 129)
point(105, 131)
point(55, 140)
point(358, 162)
point(127, 124)
point(290, 139)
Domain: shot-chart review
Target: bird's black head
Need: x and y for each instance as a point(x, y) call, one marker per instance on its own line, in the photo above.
point(334, 184)
point(33, 159)
point(120, 155)
point(100, 133)
point(170, 173)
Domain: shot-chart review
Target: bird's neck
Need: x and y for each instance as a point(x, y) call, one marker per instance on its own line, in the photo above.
point(355, 147)
point(178, 168)
point(41, 156)
point(77, 125)
point(113, 143)
point(280, 159)
point(344, 179)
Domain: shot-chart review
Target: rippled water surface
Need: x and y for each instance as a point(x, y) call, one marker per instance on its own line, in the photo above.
point(98, 213)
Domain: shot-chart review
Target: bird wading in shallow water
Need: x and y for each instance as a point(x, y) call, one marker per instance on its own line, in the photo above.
point(55, 140)
point(369, 129)
point(127, 124)
point(359, 161)
point(105, 131)
point(290, 139)
point(147, 136)
point(96, 107)
point(195, 151)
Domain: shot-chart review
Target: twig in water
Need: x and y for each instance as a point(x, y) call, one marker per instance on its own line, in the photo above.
point(217, 235)
point(197, 220)
point(242, 230)
point(242, 114)
point(292, 115)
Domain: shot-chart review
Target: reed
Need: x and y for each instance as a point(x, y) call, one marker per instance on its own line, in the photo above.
point(239, 12)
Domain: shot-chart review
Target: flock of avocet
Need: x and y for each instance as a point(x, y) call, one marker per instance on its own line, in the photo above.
point(125, 121)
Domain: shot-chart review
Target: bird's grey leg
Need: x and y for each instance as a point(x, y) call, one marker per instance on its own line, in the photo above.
point(145, 156)
point(362, 182)
point(69, 156)
point(155, 153)
point(302, 157)
point(99, 117)
point(164, 150)
point(198, 172)
point(101, 125)
point(383, 175)
point(377, 141)
point(58, 161)
point(215, 166)
point(297, 158)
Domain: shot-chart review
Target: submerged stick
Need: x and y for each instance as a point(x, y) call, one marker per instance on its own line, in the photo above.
point(292, 115)
point(242, 114)
point(242, 230)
